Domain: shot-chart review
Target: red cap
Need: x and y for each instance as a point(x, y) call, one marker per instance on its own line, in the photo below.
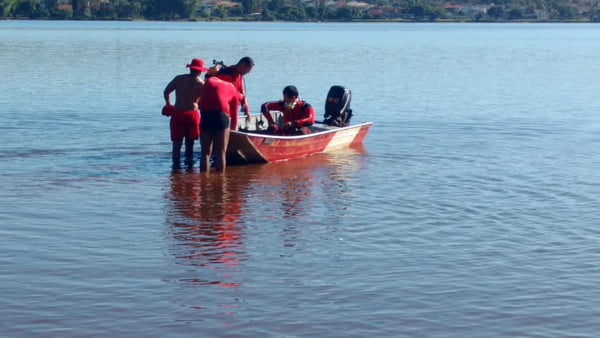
point(197, 64)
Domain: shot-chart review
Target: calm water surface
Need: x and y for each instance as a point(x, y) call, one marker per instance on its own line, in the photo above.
point(472, 208)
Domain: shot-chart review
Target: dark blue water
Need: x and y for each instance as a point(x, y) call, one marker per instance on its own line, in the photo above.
point(470, 210)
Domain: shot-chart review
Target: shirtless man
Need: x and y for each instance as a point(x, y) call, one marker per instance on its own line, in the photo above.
point(185, 119)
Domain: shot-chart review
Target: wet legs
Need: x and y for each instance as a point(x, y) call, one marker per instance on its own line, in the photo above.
point(189, 152)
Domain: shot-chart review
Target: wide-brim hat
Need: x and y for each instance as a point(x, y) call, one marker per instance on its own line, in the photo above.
point(197, 64)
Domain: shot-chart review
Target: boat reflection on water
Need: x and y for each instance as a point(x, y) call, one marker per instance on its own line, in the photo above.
point(209, 214)
point(306, 199)
point(298, 186)
point(344, 164)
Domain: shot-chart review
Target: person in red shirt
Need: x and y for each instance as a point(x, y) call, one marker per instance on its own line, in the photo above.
point(235, 74)
point(184, 115)
point(218, 109)
point(297, 114)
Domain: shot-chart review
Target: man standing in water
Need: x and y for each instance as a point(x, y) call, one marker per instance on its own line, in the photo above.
point(185, 119)
point(218, 107)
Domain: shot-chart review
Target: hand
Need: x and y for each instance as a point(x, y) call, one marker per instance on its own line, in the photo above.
point(273, 129)
point(168, 110)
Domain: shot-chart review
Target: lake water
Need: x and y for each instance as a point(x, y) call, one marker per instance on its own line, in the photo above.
point(472, 209)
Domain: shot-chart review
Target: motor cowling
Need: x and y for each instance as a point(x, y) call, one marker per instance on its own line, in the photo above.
point(337, 106)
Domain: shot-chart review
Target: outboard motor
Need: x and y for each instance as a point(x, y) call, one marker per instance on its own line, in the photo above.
point(337, 106)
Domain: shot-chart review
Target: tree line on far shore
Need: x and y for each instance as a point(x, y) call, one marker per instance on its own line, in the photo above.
point(304, 10)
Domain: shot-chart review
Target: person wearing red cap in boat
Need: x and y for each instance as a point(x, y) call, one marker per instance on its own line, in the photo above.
point(185, 119)
point(218, 109)
point(297, 114)
point(235, 74)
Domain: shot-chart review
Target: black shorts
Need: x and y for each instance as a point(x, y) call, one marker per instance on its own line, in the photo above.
point(214, 120)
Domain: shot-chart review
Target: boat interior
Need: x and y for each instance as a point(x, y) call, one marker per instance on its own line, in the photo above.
point(258, 124)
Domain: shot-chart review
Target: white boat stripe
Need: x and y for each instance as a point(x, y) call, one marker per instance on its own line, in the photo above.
point(342, 138)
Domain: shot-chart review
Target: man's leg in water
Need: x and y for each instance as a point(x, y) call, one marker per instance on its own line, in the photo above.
point(206, 140)
point(189, 151)
point(177, 152)
point(221, 141)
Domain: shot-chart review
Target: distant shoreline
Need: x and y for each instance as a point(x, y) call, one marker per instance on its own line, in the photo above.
point(321, 21)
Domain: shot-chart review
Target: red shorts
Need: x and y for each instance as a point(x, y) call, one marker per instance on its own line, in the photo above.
point(185, 124)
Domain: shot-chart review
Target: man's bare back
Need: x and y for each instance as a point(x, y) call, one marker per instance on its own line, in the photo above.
point(188, 90)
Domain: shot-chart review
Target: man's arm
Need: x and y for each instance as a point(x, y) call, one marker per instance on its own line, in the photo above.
point(266, 107)
point(233, 106)
point(307, 117)
point(245, 106)
point(168, 90)
point(227, 74)
point(244, 99)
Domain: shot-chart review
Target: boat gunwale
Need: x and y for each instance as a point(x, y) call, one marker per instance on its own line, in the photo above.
point(331, 129)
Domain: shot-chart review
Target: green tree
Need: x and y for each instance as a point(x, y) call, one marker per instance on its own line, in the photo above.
point(8, 7)
point(564, 11)
point(79, 7)
point(515, 14)
point(320, 9)
point(418, 11)
point(291, 13)
point(594, 12)
point(64, 14)
point(433, 10)
point(311, 12)
point(187, 8)
point(248, 6)
point(106, 11)
point(560, 9)
point(220, 12)
point(275, 5)
point(27, 8)
point(495, 12)
point(50, 7)
point(267, 15)
point(235, 11)
point(161, 9)
point(128, 9)
point(346, 13)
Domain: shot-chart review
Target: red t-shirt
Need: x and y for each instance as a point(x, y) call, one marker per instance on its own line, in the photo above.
point(221, 96)
point(232, 75)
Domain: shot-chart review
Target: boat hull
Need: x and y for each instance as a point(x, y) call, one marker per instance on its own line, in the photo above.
point(248, 147)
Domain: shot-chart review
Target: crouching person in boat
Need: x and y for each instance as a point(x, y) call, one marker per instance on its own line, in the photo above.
point(297, 114)
point(218, 111)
